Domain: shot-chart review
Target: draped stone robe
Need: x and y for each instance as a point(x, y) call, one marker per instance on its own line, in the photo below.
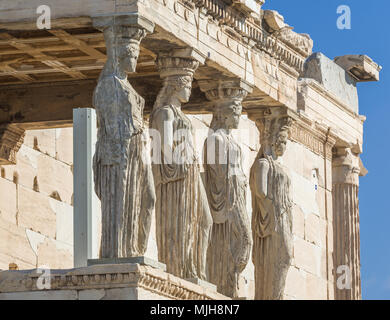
point(231, 239)
point(272, 230)
point(123, 177)
point(183, 219)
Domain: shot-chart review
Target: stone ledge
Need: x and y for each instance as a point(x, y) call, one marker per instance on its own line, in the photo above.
point(139, 260)
point(108, 277)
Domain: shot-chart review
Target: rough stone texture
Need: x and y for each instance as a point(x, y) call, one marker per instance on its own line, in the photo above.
point(360, 67)
point(11, 138)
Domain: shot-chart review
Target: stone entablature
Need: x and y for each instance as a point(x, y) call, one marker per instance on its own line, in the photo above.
point(316, 136)
point(244, 27)
point(321, 106)
point(224, 36)
point(313, 136)
point(248, 31)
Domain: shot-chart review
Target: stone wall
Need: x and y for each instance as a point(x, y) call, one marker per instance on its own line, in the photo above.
point(36, 213)
point(308, 275)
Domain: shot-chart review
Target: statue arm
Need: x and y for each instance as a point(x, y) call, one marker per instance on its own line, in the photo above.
point(262, 216)
point(163, 121)
point(261, 178)
point(214, 149)
point(107, 108)
point(216, 177)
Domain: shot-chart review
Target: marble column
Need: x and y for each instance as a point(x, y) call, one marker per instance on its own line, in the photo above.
point(226, 185)
point(122, 172)
point(346, 167)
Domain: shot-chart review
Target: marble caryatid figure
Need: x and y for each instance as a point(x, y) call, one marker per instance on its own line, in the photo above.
point(123, 176)
point(272, 206)
point(183, 219)
point(226, 185)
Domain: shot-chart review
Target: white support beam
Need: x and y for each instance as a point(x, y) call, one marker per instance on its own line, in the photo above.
point(86, 214)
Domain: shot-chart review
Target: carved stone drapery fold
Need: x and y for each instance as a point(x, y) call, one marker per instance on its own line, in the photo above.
point(123, 179)
point(346, 169)
point(11, 139)
point(226, 185)
point(271, 205)
point(183, 219)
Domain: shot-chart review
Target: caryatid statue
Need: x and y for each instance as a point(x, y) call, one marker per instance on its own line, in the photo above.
point(226, 185)
point(122, 172)
point(271, 207)
point(183, 219)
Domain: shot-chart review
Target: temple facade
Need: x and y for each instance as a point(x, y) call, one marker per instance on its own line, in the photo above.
point(227, 156)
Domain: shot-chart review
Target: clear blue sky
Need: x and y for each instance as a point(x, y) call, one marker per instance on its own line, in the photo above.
point(369, 35)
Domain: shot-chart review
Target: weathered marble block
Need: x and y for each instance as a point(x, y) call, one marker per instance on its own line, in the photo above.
point(102, 282)
point(334, 79)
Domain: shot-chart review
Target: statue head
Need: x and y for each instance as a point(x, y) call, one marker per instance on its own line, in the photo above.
point(123, 45)
point(274, 132)
point(227, 95)
point(127, 56)
point(180, 87)
point(227, 115)
point(279, 143)
point(177, 74)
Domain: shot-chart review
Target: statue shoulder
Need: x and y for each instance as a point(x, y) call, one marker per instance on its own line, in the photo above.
point(164, 113)
point(216, 136)
point(263, 162)
point(105, 88)
point(261, 165)
point(103, 95)
point(107, 81)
